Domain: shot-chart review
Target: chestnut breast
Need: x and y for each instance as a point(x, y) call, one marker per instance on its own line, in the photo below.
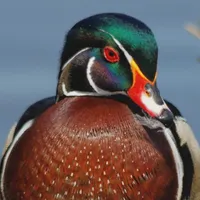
point(88, 148)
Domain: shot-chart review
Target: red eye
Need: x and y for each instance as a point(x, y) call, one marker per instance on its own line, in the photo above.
point(110, 54)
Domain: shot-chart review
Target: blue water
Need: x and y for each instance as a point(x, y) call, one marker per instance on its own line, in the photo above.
point(31, 36)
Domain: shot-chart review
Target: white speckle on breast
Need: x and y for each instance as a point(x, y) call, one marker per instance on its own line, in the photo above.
point(75, 184)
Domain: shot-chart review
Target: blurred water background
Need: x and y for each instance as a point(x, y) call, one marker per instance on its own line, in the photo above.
point(32, 33)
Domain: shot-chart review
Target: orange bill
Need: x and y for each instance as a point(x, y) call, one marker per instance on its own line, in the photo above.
point(146, 95)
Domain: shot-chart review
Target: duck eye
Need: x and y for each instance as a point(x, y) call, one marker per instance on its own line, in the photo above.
point(110, 54)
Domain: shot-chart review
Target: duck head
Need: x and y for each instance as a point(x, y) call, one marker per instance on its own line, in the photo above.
point(108, 54)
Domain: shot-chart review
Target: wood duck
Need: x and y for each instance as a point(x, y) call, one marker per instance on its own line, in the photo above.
point(104, 136)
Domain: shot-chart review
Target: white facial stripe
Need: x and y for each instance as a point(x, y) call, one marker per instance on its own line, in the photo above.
point(127, 55)
point(98, 91)
point(78, 93)
point(64, 90)
point(74, 57)
point(89, 77)
point(25, 127)
point(150, 103)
